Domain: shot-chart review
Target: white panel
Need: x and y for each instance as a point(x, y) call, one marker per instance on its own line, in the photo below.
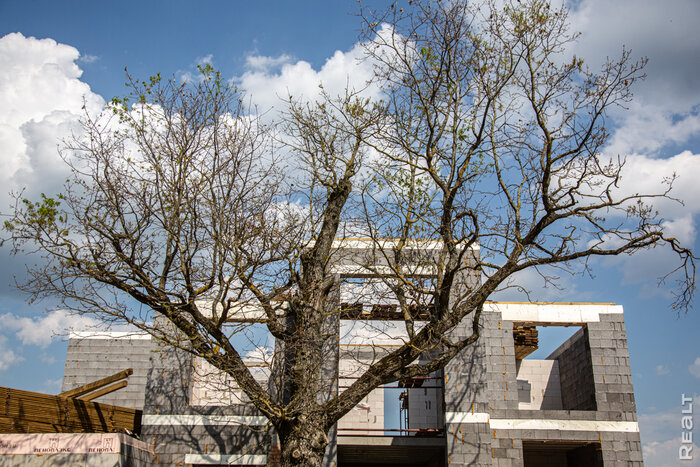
point(109, 335)
point(192, 420)
point(567, 313)
point(466, 417)
point(541, 424)
point(231, 459)
point(571, 425)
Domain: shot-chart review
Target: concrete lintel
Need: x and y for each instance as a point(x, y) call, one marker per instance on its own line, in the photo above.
point(356, 270)
point(194, 420)
point(225, 459)
point(564, 425)
point(552, 313)
point(126, 335)
point(541, 423)
point(466, 417)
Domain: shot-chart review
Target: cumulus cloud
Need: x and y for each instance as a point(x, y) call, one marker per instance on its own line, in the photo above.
point(662, 370)
point(269, 79)
point(665, 112)
point(694, 369)
point(644, 174)
point(647, 129)
point(41, 98)
point(41, 330)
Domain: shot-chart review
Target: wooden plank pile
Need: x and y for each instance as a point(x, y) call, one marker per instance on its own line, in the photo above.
point(525, 339)
point(33, 412)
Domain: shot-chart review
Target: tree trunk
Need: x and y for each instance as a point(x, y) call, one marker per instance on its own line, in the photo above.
point(303, 443)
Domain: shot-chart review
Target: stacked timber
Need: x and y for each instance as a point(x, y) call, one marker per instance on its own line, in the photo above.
point(525, 339)
point(32, 412)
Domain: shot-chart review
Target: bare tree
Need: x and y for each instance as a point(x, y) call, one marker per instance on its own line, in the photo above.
point(487, 145)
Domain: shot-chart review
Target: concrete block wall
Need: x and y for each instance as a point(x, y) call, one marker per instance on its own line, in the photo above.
point(539, 387)
point(211, 387)
point(493, 428)
point(369, 413)
point(612, 374)
point(174, 427)
point(613, 387)
point(576, 372)
point(466, 390)
point(92, 356)
point(425, 406)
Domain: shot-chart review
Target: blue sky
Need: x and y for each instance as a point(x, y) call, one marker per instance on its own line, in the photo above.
point(69, 50)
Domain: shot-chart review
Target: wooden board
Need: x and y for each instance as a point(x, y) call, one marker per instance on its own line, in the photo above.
point(32, 412)
point(525, 339)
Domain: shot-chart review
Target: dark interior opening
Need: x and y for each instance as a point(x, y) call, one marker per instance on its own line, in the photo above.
point(561, 454)
point(380, 456)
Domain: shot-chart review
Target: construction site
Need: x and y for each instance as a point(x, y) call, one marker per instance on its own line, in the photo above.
point(129, 400)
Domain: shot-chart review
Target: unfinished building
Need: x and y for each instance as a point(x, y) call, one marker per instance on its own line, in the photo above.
point(492, 405)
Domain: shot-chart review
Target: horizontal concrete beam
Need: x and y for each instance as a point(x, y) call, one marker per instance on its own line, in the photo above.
point(225, 459)
point(126, 335)
point(553, 313)
point(195, 420)
point(541, 424)
point(564, 425)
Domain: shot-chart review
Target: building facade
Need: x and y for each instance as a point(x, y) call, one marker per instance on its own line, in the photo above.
point(493, 405)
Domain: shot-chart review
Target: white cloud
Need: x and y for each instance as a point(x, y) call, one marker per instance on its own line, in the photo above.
point(266, 64)
point(41, 94)
point(665, 454)
point(48, 359)
point(647, 129)
point(206, 60)
point(7, 356)
point(665, 111)
point(88, 58)
point(659, 426)
point(270, 79)
point(41, 330)
point(661, 436)
point(662, 370)
point(643, 174)
point(694, 369)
